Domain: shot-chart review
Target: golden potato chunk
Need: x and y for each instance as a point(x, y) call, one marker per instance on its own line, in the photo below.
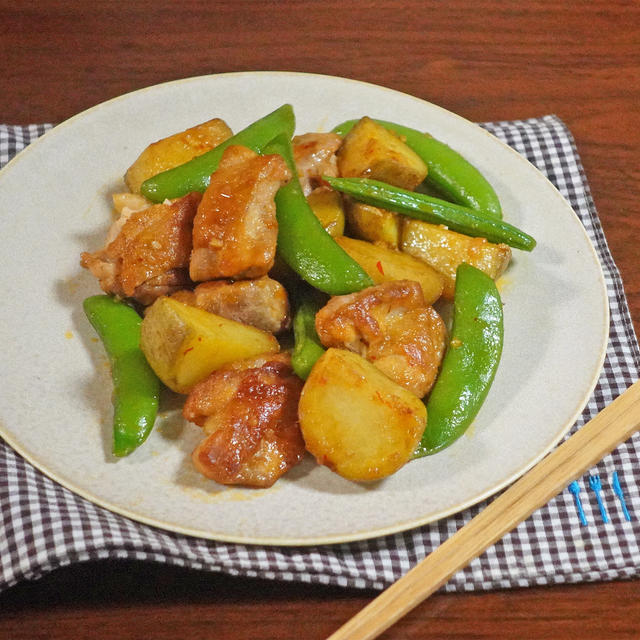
point(371, 151)
point(355, 420)
point(374, 224)
point(444, 250)
point(384, 265)
point(184, 344)
point(327, 206)
point(176, 150)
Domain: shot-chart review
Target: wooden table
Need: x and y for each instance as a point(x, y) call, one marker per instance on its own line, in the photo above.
point(486, 60)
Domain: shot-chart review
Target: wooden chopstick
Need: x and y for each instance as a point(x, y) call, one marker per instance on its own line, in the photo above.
point(601, 435)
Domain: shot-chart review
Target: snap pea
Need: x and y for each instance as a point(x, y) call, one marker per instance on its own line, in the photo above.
point(195, 174)
point(434, 210)
point(450, 174)
point(307, 346)
point(471, 361)
point(136, 386)
point(302, 241)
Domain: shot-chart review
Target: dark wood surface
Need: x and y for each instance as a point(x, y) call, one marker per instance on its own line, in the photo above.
point(486, 60)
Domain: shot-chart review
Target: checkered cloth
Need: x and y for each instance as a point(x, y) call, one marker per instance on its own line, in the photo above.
point(44, 526)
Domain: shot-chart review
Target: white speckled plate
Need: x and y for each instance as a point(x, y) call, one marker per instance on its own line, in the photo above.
point(55, 404)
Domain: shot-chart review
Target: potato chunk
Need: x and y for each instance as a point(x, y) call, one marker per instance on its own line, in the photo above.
point(444, 250)
point(371, 151)
point(175, 150)
point(374, 224)
point(184, 344)
point(384, 265)
point(355, 420)
point(327, 206)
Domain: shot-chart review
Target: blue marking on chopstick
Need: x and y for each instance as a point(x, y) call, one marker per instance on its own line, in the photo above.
point(617, 489)
point(596, 486)
point(574, 487)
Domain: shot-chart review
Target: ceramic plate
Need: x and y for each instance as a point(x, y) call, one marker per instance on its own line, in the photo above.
point(55, 408)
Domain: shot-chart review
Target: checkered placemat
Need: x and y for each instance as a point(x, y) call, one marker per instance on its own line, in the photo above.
point(44, 526)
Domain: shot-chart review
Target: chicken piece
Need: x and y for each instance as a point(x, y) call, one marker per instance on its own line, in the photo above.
point(235, 229)
point(262, 303)
point(392, 327)
point(147, 251)
point(250, 412)
point(163, 285)
point(315, 156)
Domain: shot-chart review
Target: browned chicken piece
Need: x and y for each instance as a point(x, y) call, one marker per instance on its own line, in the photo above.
point(235, 229)
point(262, 303)
point(392, 327)
point(315, 156)
point(250, 412)
point(147, 251)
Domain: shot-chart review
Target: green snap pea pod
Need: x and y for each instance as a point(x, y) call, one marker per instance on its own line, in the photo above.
point(195, 174)
point(136, 386)
point(450, 174)
point(307, 346)
point(434, 210)
point(470, 364)
point(302, 241)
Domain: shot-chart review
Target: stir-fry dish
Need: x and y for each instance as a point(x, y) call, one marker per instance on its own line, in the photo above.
point(291, 288)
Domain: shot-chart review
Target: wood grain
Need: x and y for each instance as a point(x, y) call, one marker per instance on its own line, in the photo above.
point(486, 60)
point(615, 424)
point(130, 600)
